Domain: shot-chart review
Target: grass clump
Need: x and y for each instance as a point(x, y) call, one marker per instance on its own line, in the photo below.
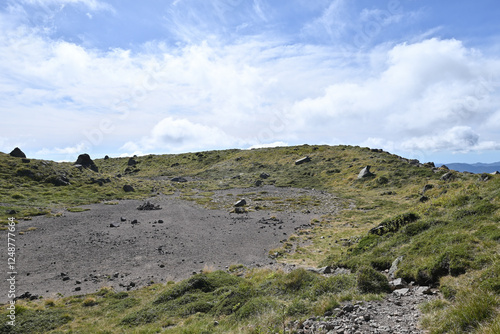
point(369, 280)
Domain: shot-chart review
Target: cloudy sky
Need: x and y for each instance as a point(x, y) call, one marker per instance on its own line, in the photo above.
point(418, 78)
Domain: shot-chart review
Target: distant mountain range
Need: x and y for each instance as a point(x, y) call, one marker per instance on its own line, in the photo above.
point(475, 168)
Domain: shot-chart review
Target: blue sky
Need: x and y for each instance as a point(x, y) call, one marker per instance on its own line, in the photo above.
point(415, 77)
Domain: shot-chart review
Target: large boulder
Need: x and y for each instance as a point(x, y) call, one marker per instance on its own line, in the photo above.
point(365, 172)
point(85, 161)
point(17, 153)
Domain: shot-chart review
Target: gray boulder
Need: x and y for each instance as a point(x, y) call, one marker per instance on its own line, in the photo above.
point(398, 283)
point(365, 172)
point(394, 266)
point(303, 160)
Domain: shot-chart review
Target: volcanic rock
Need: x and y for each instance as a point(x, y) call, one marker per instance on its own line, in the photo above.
point(128, 188)
point(17, 153)
point(148, 206)
point(85, 161)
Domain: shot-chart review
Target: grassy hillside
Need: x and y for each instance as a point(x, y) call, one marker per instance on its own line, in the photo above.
point(447, 236)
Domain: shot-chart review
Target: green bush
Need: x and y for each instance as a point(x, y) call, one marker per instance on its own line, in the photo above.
point(298, 307)
point(298, 280)
point(36, 321)
point(334, 284)
point(255, 306)
point(394, 224)
point(371, 281)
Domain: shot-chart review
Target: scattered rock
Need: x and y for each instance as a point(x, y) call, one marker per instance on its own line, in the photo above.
point(323, 270)
point(178, 179)
point(106, 157)
point(128, 188)
point(423, 290)
point(365, 172)
point(85, 161)
point(239, 210)
point(258, 183)
point(414, 162)
point(401, 292)
point(430, 165)
point(114, 225)
point(423, 199)
point(398, 283)
point(484, 177)
point(27, 296)
point(427, 187)
point(241, 202)
point(78, 288)
point(160, 221)
point(25, 161)
point(264, 175)
point(123, 219)
point(59, 180)
point(444, 167)
point(100, 181)
point(394, 266)
point(131, 162)
point(148, 206)
point(303, 160)
point(447, 177)
point(17, 153)
point(133, 222)
point(495, 173)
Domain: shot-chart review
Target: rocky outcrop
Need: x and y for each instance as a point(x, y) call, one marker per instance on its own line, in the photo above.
point(17, 153)
point(85, 161)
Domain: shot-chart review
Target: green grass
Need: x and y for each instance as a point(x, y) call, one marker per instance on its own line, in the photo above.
point(450, 241)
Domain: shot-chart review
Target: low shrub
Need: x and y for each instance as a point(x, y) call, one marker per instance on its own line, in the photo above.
point(371, 281)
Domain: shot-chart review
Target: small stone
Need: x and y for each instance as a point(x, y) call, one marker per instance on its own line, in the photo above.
point(128, 188)
point(401, 292)
point(240, 203)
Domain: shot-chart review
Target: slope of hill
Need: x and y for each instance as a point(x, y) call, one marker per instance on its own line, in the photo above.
point(442, 226)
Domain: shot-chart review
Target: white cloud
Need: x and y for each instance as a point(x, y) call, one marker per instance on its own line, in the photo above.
point(248, 93)
point(94, 5)
point(181, 135)
point(460, 139)
point(269, 145)
point(71, 150)
point(430, 86)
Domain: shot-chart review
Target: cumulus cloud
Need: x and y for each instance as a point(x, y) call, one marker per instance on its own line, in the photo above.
point(254, 92)
point(181, 135)
point(94, 5)
point(460, 139)
point(433, 85)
